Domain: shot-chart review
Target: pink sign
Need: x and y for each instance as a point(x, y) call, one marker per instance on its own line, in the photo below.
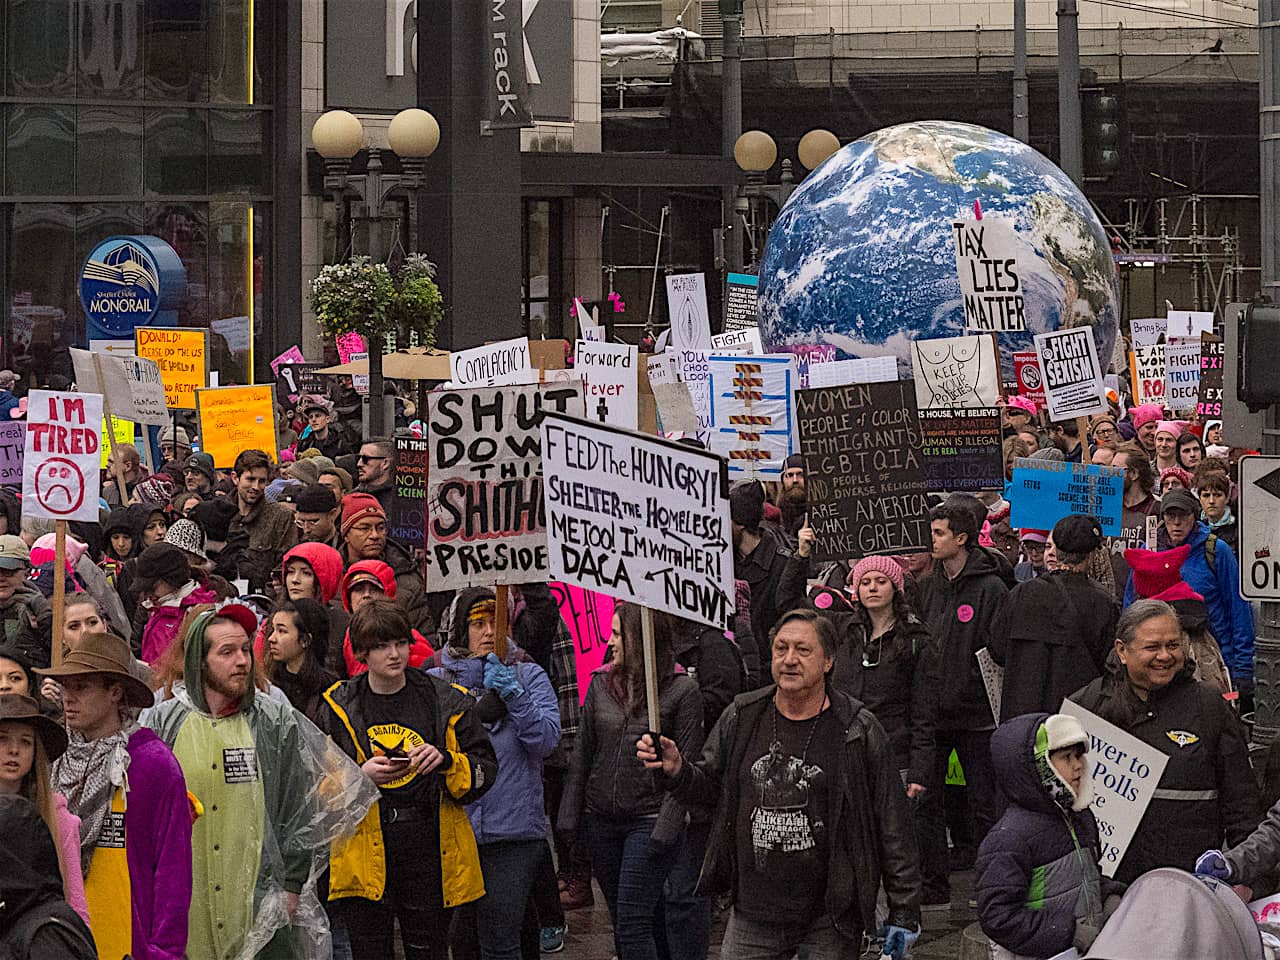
point(349, 343)
point(589, 617)
point(292, 355)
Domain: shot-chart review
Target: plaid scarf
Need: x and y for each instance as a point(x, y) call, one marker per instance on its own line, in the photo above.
point(87, 775)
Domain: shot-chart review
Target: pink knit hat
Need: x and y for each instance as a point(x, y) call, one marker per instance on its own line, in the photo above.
point(886, 565)
point(1145, 413)
point(1176, 428)
point(1024, 404)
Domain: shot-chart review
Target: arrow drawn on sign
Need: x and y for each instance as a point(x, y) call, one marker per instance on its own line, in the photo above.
point(652, 574)
point(1270, 483)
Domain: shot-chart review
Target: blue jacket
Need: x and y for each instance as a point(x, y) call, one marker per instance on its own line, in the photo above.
point(513, 807)
point(7, 402)
point(1230, 616)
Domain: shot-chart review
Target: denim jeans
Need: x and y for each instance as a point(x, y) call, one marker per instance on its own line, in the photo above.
point(684, 918)
point(748, 939)
point(631, 871)
point(490, 927)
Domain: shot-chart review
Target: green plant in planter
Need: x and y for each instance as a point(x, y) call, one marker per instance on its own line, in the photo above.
point(360, 296)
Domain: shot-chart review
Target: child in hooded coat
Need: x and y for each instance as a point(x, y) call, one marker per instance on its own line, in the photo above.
point(1038, 883)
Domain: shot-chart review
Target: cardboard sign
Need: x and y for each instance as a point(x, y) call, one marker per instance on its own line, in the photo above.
point(1189, 324)
point(486, 523)
point(1148, 372)
point(675, 408)
point(1045, 491)
point(864, 474)
point(744, 340)
point(233, 419)
point(962, 450)
point(663, 368)
point(1146, 331)
point(1026, 370)
point(956, 372)
point(1209, 395)
point(295, 379)
point(60, 462)
point(131, 386)
point(610, 388)
point(407, 519)
point(13, 438)
point(1126, 773)
point(842, 373)
point(1073, 384)
point(687, 308)
point(751, 414)
point(1181, 373)
point(493, 365)
point(121, 432)
point(589, 619)
point(182, 354)
point(639, 519)
point(741, 311)
point(987, 265)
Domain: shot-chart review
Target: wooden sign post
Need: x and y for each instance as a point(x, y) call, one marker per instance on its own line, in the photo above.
point(500, 593)
point(651, 679)
point(117, 468)
point(60, 588)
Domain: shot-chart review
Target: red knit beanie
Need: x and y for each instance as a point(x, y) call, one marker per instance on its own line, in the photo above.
point(357, 506)
point(1154, 572)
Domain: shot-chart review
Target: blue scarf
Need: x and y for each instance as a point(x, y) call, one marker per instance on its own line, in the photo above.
point(1215, 524)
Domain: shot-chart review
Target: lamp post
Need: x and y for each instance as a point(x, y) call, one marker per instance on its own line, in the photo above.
point(338, 136)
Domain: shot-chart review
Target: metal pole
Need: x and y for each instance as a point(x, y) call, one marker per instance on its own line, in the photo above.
point(373, 202)
point(731, 129)
point(1070, 148)
point(1021, 112)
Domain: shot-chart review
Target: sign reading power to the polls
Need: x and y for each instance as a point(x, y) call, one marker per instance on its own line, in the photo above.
point(60, 477)
point(638, 519)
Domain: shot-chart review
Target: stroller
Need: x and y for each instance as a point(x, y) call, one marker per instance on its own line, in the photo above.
point(1169, 914)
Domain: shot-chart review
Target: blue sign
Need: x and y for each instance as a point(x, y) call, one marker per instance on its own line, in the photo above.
point(129, 282)
point(1044, 491)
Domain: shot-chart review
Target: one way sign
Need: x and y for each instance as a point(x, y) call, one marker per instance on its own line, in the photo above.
point(1260, 535)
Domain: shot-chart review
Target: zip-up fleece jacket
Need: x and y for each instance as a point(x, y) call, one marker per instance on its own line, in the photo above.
point(358, 864)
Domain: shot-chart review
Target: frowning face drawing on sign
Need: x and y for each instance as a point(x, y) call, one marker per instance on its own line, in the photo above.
point(59, 486)
point(955, 372)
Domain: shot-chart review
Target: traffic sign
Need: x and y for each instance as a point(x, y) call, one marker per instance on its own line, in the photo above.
point(1260, 535)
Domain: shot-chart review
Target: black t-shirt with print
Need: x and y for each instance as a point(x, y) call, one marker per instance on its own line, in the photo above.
point(395, 723)
point(783, 816)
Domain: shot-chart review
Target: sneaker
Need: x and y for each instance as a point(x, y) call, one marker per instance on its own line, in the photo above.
point(577, 894)
point(935, 901)
point(551, 939)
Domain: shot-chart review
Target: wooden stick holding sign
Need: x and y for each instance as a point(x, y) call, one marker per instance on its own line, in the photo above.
point(59, 589)
point(117, 468)
point(1082, 428)
point(500, 621)
point(651, 680)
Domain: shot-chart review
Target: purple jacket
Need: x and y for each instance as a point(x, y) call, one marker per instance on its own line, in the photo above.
point(157, 824)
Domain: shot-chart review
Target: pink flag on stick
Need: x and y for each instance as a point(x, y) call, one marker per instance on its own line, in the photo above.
point(589, 617)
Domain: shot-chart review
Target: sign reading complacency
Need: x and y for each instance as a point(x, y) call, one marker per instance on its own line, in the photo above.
point(1148, 371)
point(493, 365)
point(611, 389)
point(962, 450)
point(60, 472)
point(182, 354)
point(987, 265)
point(1045, 491)
point(864, 474)
point(1209, 395)
point(407, 518)
point(740, 301)
point(751, 414)
point(1125, 773)
point(486, 523)
point(1073, 384)
point(13, 438)
point(1026, 370)
point(233, 419)
point(1181, 373)
point(639, 519)
point(956, 372)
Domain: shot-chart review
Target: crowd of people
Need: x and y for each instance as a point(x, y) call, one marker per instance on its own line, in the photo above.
point(265, 734)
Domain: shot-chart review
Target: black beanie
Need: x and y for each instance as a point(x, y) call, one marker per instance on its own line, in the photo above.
point(1078, 534)
point(746, 503)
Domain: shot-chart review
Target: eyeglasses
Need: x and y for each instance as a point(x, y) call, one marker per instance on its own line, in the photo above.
point(1105, 432)
point(365, 458)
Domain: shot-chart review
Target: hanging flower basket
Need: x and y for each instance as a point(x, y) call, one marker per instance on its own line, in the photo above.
point(360, 296)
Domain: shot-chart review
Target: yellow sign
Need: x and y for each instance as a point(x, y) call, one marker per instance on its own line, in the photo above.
point(122, 432)
point(182, 354)
point(233, 419)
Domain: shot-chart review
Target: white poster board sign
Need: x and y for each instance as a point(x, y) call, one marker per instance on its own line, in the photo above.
point(674, 408)
point(61, 459)
point(752, 418)
point(663, 368)
point(485, 523)
point(638, 519)
point(738, 341)
point(987, 266)
point(696, 373)
point(1181, 373)
point(687, 307)
point(1189, 323)
point(1144, 331)
point(1148, 365)
point(609, 384)
point(1073, 384)
point(131, 385)
point(843, 373)
point(955, 372)
point(1125, 774)
point(494, 365)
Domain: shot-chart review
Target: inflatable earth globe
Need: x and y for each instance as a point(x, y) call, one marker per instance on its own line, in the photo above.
point(861, 257)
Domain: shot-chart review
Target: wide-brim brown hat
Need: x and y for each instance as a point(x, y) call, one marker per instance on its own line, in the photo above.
point(108, 655)
point(14, 706)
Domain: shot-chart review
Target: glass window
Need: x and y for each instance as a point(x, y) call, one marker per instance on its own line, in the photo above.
point(41, 150)
point(42, 284)
point(39, 39)
point(237, 241)
point(110, 56)
point(185, 227)
point(229, 38)
point(94, 223)
point(239, 151)
point(176, 43)
point(175, 151)
point(109, 151)
point(541, 281)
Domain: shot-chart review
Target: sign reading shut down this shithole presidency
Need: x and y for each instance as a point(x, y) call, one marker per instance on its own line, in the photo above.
point(128, 282)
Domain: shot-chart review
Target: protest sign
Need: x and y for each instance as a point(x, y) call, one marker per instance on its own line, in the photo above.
point(13, 438)
point(674, 408)
point(360, 381)
point(485, 516)
point(1148, 373)
point(596, 333)
point(987, 265)
point(1073, 384)
point(744, 340)
point(493, 365)
point(295, 379)
point(663, 368)
point(696, 373)
point(1189, 324)
point(121, 432)
point(1266, 910)
point(640, 519)
point(841, 373)
point(609, 385)
point(863, 471)
point(130, 386)
point(956, 372)
point(182, 355)
point(740, 302)
point(233, 419)
point(60, 478)
point(1209, 393)
point(292, 355)
point(1147, 331)
point(687, 309)
point(1044, 491)
point(1026, 370)
point(751, 413)
point(349, 343)
point(1181, 373)
point(589, 619)
point(1125, 773)
point(808, 356)
point(962, 450)
point(407, 518)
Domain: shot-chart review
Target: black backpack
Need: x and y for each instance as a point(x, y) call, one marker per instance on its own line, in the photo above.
point(62, 935)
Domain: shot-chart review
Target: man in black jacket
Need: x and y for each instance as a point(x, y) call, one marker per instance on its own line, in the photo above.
point(776, 576)
point(810, 814)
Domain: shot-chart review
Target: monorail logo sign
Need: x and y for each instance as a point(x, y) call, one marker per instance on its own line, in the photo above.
point(127, 281)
